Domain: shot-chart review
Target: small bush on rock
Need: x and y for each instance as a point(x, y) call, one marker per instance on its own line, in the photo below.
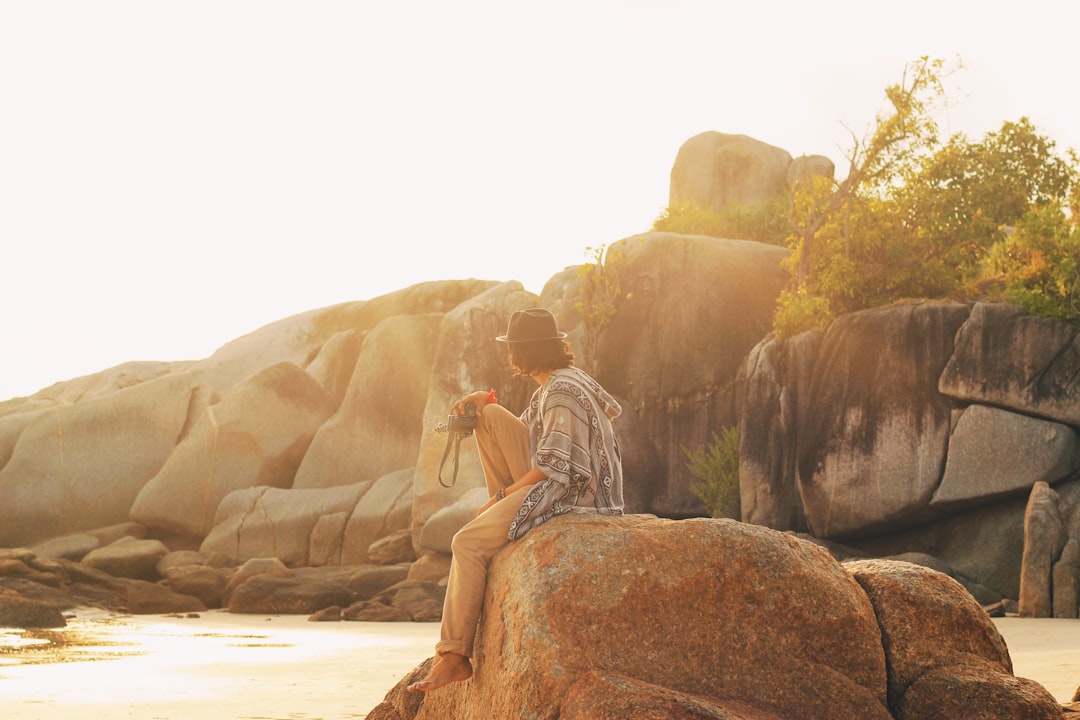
point(716, 466)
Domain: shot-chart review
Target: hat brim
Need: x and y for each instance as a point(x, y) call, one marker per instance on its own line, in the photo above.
point(507, 339)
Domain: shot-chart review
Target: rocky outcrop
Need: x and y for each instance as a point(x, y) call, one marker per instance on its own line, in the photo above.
point(873, 429)
point(376, 429)
point(80, 466)
point(776, 379)
point(679, 618)
point(944, 654)
point(876, 434)
point(1044, 539)
point(995, 453)
point(692, 307)
point(1009, 359)
point(35, 590)
point(78, 454)
point(256, 435)
point(717, 170)
point(917, 429)
point(271, 522)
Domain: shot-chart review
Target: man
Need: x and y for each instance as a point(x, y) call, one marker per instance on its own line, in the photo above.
point(561, 455)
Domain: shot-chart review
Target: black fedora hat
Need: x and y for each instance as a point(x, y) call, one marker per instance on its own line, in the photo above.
point(530, 325)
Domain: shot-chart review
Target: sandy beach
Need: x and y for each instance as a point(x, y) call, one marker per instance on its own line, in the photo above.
point(283, 666)
point(218, 665)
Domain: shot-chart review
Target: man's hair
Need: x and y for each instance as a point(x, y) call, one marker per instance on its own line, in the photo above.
point(540, 356)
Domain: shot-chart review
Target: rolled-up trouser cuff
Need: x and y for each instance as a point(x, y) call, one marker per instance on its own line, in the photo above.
point(454, 647)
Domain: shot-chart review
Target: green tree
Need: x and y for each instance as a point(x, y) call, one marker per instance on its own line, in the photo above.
point(959, 202)
point(917, 219)
point(1037, 265)
point(839, 226)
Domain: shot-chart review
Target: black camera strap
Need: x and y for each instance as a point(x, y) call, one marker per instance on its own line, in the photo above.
point(454, 440)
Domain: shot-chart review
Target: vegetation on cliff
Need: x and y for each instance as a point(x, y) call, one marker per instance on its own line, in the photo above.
point(996, 219)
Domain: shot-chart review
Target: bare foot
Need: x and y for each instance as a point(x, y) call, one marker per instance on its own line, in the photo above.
point(449, 668)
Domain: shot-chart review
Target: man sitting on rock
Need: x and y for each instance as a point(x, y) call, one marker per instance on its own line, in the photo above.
point(559, 456)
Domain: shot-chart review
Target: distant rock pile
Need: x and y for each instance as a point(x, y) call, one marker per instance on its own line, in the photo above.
point(141, 576)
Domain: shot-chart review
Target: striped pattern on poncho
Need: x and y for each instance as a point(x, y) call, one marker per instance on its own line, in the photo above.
point(574, 443)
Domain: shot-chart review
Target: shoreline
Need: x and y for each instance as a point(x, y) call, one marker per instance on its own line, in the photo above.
point(226, 666)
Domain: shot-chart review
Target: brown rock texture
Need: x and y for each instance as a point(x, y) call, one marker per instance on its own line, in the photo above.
point(946, 659)
point(692, 606)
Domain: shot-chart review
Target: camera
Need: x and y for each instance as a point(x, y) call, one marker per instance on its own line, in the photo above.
point(461, 424)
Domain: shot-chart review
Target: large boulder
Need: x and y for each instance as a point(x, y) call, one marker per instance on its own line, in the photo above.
point(17, 611)
point(377, 428)
point(690, 606)
point(1045, 536)
point(300, 338)
point(635, 616)
point(81, 466)
point(690, 309)
point(255, 436)
point(873, 429)
point(1009, 359)
point(995, 453)
point(147, 598)
point(1066, 581)
point(718, 171)
point(98, 385)
point(128, 558)
point(199, 581)
point(945, 655)
point(440, 528)
point(805, 168)
point(776, 378)
point(307, 591)
point(384, 509)
point(264, 522)
point(334, 364)
point(69, 547)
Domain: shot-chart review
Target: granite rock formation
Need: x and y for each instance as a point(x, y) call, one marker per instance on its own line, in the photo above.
point(720, 619)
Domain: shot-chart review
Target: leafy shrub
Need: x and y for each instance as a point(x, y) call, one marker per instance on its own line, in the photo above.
point(1038, 265)
point(716, 466)
point(800, 311)
point(600, 290)
point(767, 222)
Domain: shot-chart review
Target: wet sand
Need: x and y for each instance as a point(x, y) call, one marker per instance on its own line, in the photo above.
point(254, 667)
point(218, 665)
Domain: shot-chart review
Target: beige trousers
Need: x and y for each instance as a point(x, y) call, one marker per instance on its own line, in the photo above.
point(503, 444)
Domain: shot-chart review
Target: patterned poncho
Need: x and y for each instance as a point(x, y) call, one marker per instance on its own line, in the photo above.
point(573, 442)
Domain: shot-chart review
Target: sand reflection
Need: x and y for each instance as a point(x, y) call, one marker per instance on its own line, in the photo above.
point(84, 639)
point(211, 665)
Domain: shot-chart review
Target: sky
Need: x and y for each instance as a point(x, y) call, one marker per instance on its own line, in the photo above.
point(174, 175)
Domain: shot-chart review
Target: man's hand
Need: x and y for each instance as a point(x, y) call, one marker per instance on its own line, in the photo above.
point(478, 399)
